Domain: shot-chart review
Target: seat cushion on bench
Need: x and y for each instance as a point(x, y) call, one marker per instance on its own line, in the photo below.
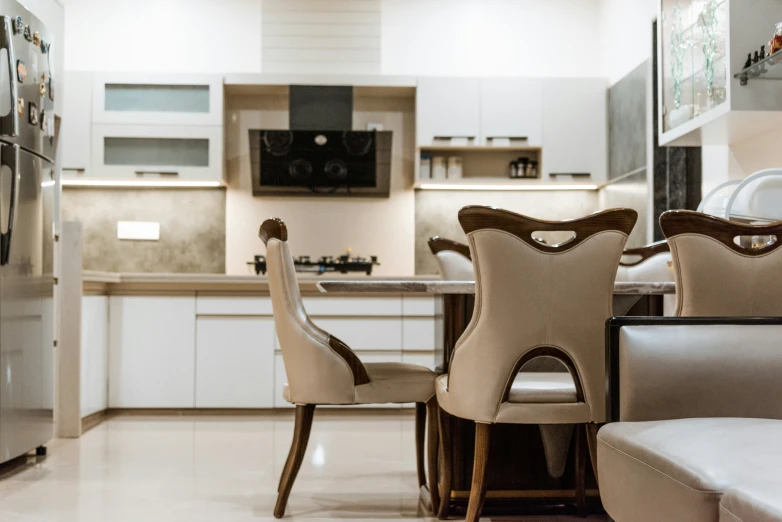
point(679, 469)
point(753, 502)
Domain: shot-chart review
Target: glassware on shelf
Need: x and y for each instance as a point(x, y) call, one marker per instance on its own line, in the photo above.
point(694, 59)
point(776, 41)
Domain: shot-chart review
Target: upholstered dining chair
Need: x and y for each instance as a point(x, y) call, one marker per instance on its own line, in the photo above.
point(322, 370)
point(718, 277)
point(533, 299)
point(453, 258)
point(649, 264)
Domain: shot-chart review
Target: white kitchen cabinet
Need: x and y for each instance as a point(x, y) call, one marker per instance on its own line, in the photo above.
point(418, 333)
point(447, 108)
point(414, 306)
point(157, 153)
point(234, 362)
point(233, 305)
point(365, 334)
point(94, 354)
point(76, 127)
point(353, 306)
point(152, 352)
point(157, 99)
point(511, 108)
point(575, 127)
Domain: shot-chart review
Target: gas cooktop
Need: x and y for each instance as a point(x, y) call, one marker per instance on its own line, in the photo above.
point(325, 264)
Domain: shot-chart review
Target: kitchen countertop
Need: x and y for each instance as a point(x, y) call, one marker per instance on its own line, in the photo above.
point(114, 283)
point(431, 286)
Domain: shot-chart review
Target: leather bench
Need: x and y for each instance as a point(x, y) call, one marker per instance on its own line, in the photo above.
point(696, 420)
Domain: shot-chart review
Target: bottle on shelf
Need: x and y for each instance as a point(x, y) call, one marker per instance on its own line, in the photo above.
point(426, 167)
point(439, 169)
point(454, 167)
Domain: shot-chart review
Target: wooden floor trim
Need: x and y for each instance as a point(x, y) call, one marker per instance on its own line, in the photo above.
point(95, 419)
point(525, 493)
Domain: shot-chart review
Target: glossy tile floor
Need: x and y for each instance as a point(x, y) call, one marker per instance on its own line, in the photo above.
point(358, 467)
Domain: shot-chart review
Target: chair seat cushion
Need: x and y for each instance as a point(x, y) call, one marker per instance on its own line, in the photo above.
point(679, 469)
point(555, 410)
point(539, 387)
point(391, 383)
point(752, 503)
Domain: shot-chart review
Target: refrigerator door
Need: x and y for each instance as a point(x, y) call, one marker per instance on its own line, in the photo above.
point(27, 83)
point(26, 301)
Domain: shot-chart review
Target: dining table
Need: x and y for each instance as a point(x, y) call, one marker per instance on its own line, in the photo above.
point(519, 483)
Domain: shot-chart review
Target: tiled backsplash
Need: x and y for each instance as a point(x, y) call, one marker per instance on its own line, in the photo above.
point(192, 229)
point(436, 213)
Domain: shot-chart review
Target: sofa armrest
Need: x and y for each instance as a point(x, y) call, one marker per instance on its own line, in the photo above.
point(674, 368)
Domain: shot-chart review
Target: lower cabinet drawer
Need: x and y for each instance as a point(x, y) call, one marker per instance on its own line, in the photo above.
point(234, 362)
point(365, 334)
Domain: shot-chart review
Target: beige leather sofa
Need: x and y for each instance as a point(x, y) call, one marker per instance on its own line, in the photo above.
point(695, 406)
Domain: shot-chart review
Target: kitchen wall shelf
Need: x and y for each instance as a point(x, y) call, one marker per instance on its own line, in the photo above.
point(765, 69)
point(479, 162)
point(502, 184)
point(478, 148)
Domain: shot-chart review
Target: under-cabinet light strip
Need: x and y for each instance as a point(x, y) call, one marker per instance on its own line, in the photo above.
point(512, 187)
point(138, 184)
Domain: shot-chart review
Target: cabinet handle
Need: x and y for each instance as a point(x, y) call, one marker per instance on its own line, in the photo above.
point(74, 169)
point(519, 138)
point(160, 172)
point(574, 174)
point(452, 137)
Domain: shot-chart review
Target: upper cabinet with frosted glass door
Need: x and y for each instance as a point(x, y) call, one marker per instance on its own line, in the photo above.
point(157, 99)
point(157, 128)
point(706, 96)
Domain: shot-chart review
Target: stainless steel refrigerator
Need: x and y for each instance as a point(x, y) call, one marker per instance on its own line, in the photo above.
point(27, 194)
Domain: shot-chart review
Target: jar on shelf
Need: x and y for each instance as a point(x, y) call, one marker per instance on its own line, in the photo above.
point(455, 167)
point(439, 170)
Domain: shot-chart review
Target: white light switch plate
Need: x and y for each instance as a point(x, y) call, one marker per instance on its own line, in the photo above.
point(138, 230)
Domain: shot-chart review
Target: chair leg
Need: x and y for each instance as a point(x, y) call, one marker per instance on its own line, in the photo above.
point(581, 464)
point(420, 434)
point(592, 441)
point(432, 452)
point(478, 488)
point(301, 435)
point(444, 423)
point(287, 464)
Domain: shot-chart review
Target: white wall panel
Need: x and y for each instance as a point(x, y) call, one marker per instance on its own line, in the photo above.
point(299, 36)
point(492, 37)
point(94, 354)
point(199, 36)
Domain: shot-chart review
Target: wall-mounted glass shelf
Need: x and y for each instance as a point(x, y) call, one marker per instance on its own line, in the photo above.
point(769, 68)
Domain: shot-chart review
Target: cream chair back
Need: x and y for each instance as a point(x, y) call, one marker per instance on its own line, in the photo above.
point(320, 368)
point(453, 258)
point(535, 299)
point(715, 276)
point(649, 264)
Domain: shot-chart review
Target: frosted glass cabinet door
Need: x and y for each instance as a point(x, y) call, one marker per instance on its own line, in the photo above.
point(158, 99)
point(157, 153)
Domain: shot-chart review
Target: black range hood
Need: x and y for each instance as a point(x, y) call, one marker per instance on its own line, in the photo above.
point(321, 108)
point(320, 154)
